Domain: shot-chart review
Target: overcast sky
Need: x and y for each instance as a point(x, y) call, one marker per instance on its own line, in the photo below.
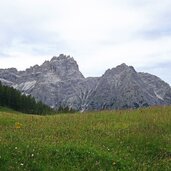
point(99, 34)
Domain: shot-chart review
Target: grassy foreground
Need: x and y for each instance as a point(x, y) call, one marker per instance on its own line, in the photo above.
point(104, 141)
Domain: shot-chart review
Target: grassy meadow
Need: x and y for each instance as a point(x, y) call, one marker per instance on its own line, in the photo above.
point(98, 141)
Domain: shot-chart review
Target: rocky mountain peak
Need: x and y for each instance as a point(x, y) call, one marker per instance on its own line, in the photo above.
point(120, 69)
point(58, 82)
point(61, 57)
point(65, 67)
point(124, 67)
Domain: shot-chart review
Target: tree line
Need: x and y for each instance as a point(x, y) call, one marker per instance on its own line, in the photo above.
point(12, 98)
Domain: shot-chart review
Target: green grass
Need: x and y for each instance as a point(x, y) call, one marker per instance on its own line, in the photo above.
point(100, 141)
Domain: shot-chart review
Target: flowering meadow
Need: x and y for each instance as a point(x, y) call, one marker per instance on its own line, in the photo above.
point(95, 141)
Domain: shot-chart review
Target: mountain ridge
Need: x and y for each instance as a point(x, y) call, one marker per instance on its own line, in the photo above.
point(59, 82)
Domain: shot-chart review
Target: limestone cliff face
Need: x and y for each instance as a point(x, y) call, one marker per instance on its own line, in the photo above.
point(59, 82)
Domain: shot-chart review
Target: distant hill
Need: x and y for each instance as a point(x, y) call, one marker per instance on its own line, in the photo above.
point(12, 98)
point(59, 83)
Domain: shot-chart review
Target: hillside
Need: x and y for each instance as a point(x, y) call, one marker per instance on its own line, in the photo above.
point(108, 140)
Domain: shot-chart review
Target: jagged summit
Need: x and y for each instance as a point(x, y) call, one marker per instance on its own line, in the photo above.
point(58, 82)
point(65, 67)
point(62, 57)
point(120, 69)
point(123, 65)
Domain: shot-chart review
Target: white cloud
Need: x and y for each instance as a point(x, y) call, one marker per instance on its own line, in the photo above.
point(99, 34)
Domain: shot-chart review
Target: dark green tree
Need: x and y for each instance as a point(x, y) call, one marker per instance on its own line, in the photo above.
point(12, 98)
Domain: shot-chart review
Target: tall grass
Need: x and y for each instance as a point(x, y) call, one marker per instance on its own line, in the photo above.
point(108, 140)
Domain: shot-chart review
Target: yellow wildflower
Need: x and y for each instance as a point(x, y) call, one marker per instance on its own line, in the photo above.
point(18, 125)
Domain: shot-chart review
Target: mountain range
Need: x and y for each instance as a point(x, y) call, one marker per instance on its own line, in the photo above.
point(59, 82)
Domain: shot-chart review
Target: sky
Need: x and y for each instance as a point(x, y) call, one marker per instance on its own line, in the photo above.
point(99, 34)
